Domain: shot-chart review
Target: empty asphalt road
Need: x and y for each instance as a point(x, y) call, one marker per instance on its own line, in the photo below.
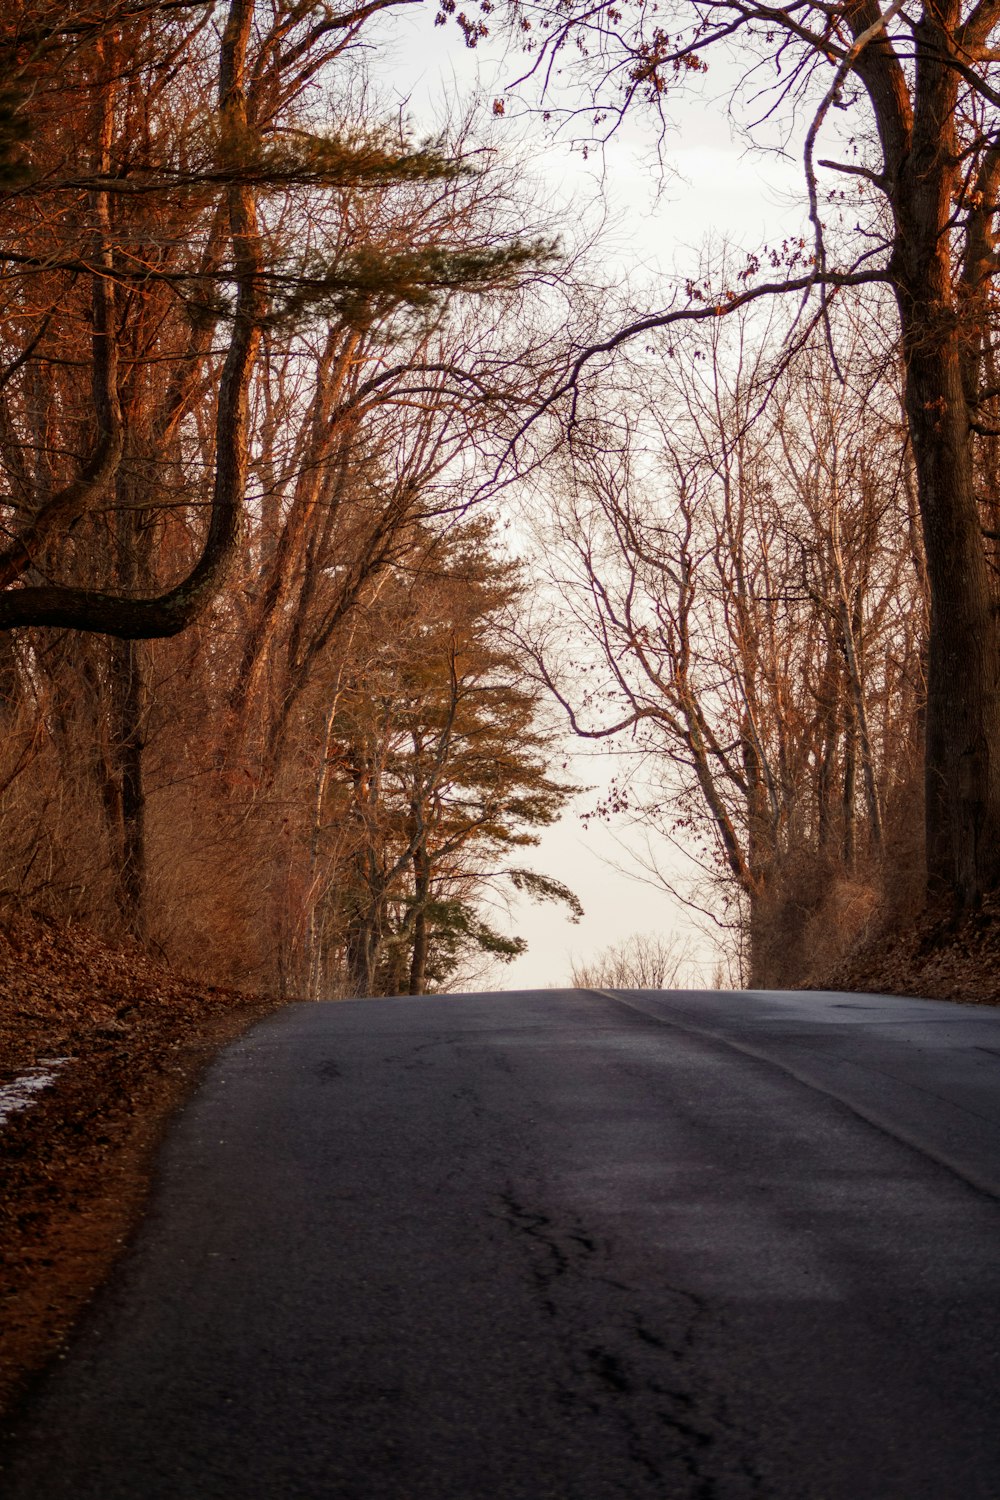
point(557, 1246)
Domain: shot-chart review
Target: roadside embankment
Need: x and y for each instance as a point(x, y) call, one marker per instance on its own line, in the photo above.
point(939, 956)
point(98, 1045)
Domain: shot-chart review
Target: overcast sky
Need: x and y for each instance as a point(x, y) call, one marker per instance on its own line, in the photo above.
point(713, 189)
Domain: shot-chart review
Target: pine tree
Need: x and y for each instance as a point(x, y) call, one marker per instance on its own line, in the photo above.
point(443, 772)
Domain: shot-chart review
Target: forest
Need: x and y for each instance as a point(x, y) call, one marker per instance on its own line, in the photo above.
point(343, 487)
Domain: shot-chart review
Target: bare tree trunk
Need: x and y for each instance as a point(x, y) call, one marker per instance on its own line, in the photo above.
point(962, 766)
point(760, 854)
point(850, 788)
point(128, 708)
point(829, 705)
point(362, 952)
point(421, 896)
point(962, 771)
point(851, 629)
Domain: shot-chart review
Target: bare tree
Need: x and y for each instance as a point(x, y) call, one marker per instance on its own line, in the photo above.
point(736, 580)
point(905, 101)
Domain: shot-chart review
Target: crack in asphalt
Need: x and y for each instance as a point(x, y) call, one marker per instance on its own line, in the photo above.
point(613, 1378)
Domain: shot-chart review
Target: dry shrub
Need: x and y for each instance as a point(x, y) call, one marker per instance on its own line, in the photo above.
point(204, 898)
point(54, 854)
point(841, 920)
point(644, 961)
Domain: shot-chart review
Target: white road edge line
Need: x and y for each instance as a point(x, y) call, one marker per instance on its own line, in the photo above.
point(971, 1179)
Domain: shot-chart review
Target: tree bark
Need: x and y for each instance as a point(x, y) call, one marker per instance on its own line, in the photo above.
point(962, 777)
point(962, 765)
point(129, 690)
point(421, 895)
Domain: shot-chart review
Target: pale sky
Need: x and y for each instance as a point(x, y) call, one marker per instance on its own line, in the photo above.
point(714, 190)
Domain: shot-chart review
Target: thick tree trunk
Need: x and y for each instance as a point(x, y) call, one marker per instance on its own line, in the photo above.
point(962, 769)
point(962, 765)
point(962, 733)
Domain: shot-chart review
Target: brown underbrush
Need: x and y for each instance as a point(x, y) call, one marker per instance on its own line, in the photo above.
point(936, 956)
point(122, 1040)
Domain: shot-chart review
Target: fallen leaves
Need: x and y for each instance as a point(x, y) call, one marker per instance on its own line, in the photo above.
point(938, 957)
point(74, 1163)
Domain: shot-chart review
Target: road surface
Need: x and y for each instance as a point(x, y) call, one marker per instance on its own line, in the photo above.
point(557, 1246)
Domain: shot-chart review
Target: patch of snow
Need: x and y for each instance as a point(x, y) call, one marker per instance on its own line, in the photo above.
point(20, 1092)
